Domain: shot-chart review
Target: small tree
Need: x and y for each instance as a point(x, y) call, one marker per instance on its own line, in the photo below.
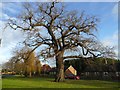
point(37, 67)
point(19, 67)
point(31, 64)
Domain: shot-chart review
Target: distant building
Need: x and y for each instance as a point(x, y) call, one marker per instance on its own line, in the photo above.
point(70, 71)
point(45, 69)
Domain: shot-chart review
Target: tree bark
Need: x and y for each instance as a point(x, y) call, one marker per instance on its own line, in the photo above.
point(60, 68)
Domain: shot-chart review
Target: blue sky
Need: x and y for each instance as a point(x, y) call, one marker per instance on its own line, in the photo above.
point(105, 11)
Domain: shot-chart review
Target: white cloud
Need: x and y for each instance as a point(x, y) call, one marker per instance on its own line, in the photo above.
point(112, 41)
point(10, 39)
point(1, 5)
point(5, 54)
point(3, 15)
point(115, 9)
point(9, 10)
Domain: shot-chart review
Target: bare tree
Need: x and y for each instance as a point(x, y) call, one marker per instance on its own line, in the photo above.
point(49, 24)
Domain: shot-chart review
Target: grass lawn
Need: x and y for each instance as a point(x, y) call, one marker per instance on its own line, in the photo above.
point(21, 82)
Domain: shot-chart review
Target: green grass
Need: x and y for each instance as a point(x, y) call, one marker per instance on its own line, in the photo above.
point(21, 82)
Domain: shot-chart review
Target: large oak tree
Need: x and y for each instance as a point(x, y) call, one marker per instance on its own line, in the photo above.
point(60, 30)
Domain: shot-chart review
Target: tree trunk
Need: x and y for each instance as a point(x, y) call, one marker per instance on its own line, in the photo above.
point(60, 68)
point(30, 74)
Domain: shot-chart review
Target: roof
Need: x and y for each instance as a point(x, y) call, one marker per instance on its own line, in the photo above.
point(46, 67)
point(71, 70)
